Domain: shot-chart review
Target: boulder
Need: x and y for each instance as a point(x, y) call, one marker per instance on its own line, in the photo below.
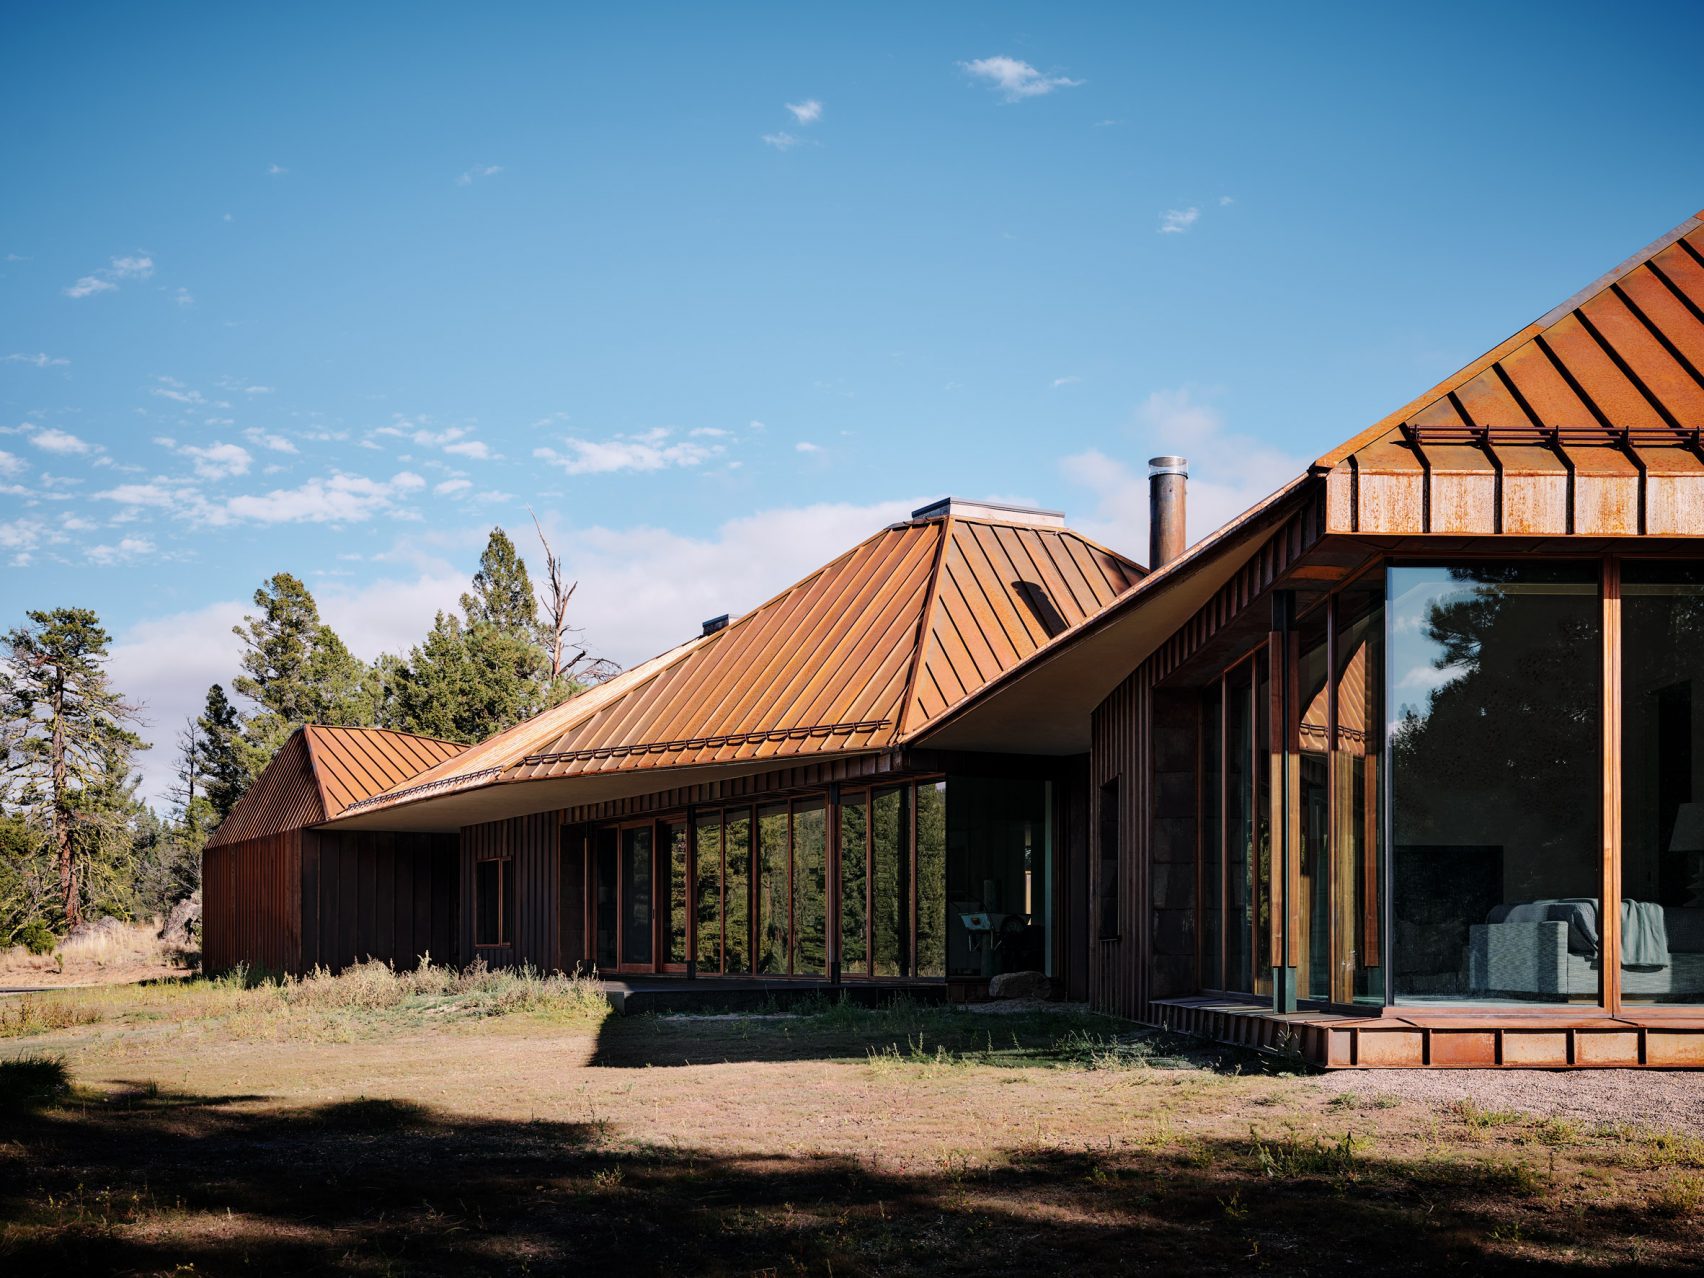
point(1020, 985)
point(183, 922)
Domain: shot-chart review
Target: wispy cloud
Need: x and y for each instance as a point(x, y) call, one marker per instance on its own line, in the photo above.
point(337, 499)
point(35, 361)
point(136, 267)
point(807, 112)
point(1226, 199)
point(183, 297)
point(451, 487)
point(468, 177)
point(1015, 79)
point(276, 170)
point(782, 141)
point(263, 439)
point(1177, 221)
point(1069, 380)
point(155, 495)
point(649, 451)
point(11, 464)
point(62, 443)
point(805, 446)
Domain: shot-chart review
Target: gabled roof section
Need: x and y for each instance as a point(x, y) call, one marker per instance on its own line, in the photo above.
point(320, 771)
point(1586, 421)
point(857, 656)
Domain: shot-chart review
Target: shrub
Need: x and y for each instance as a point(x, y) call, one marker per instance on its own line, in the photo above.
point(37, 937)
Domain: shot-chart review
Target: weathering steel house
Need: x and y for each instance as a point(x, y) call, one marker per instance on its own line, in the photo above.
point(1404, 766)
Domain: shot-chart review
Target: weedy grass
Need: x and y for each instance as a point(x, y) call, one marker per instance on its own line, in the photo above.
point(31, 1081)
point(42, 1014)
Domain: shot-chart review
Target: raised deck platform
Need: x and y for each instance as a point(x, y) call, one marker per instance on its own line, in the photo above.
point(633, 995)
point(1499, 1038)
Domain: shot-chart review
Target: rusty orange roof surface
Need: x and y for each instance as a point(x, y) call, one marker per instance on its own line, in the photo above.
point(856, 657)
point(1587, 421)
point(320, 771)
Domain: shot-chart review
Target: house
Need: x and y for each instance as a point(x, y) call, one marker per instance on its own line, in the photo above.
point(1402, 767)
point(749, 804)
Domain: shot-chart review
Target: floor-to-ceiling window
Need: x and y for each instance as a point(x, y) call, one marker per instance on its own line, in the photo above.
point(1662, 782)
point(998, 852)
point(1494, 692)
point(1357, 838)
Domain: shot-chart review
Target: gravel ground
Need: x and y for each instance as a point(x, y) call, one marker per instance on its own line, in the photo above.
point(1649, 1098)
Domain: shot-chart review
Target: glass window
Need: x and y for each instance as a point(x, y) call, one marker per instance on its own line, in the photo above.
point(854, 883)
point(707, 899)
point(932, 878)
point(1212, 840)
point(1106, 886)
point(774, 922)
point(1239, 827)
point(1494, 688)
point(810, 903)
point(1265, 933)
point(1357, 860)
point(673, 842)
point(607, 859)
point(736, 894)
point(996, 853)
point(1310, 947)
point(494, 904)
point(890, 880)
point(1662, 783)
point(636, 896)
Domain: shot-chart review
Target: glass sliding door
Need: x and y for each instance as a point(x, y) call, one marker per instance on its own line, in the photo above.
point(930, 889)
point(1239, 828)
point(1494, 684)
point(1662, 782)
point(674, 892)
point(890, 881)
point(1357, 845)
point(606, 861)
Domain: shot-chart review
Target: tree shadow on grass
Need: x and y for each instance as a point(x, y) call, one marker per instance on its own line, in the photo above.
point(179, 1184)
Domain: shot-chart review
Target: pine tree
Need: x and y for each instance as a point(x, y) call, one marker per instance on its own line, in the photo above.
point(218, 762)
point(502, 594)
point(298, 672)
point(70, 747)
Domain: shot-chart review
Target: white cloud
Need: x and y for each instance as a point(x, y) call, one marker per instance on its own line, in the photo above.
point(1177, 221)
point(259, 390)
point(805, 446)
point(262, 439)
point(155, 495)
point(337, 499)
point(807, 112)
point(21, 534)
point(276, 170)
point(644, 452)
point(782, 141)
point(38, 360)
point(474, 448)
point(137, 267)
point(450, 487)
point(183, 297)
point(89, 285)
point(173, 391)
point(128, 548)
point(218, 461)
point(1016, 79)
point(1228, 472)
point(1069, 380)
point(478, 171)
point(64, 443)
point(11, 464)
point(1224, 200)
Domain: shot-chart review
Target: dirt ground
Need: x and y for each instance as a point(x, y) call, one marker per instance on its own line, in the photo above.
point(916, 1141)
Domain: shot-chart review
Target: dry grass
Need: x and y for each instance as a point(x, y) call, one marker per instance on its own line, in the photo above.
point(525, 1131)
point(114, 952)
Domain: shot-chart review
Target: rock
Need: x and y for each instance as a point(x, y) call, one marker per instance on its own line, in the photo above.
point(183, 922)
point(1020, 985)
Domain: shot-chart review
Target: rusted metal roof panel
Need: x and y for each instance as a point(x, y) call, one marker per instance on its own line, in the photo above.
point(1589, 421)
point(870, 647)
point(319, 771)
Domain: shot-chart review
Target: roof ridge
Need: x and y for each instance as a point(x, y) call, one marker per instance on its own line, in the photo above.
point(925, 627)
point(1504, 348)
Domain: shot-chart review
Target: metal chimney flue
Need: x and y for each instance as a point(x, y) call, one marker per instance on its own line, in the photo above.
point(1168, 477)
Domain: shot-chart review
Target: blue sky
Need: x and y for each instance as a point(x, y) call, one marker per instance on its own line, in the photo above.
point(717, 291)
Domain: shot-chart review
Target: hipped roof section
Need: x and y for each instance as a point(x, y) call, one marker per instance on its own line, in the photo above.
point(857, 657)
point(1585, 422)
point(320, 771)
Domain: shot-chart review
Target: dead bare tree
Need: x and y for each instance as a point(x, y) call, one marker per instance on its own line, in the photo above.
point(577, 666)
